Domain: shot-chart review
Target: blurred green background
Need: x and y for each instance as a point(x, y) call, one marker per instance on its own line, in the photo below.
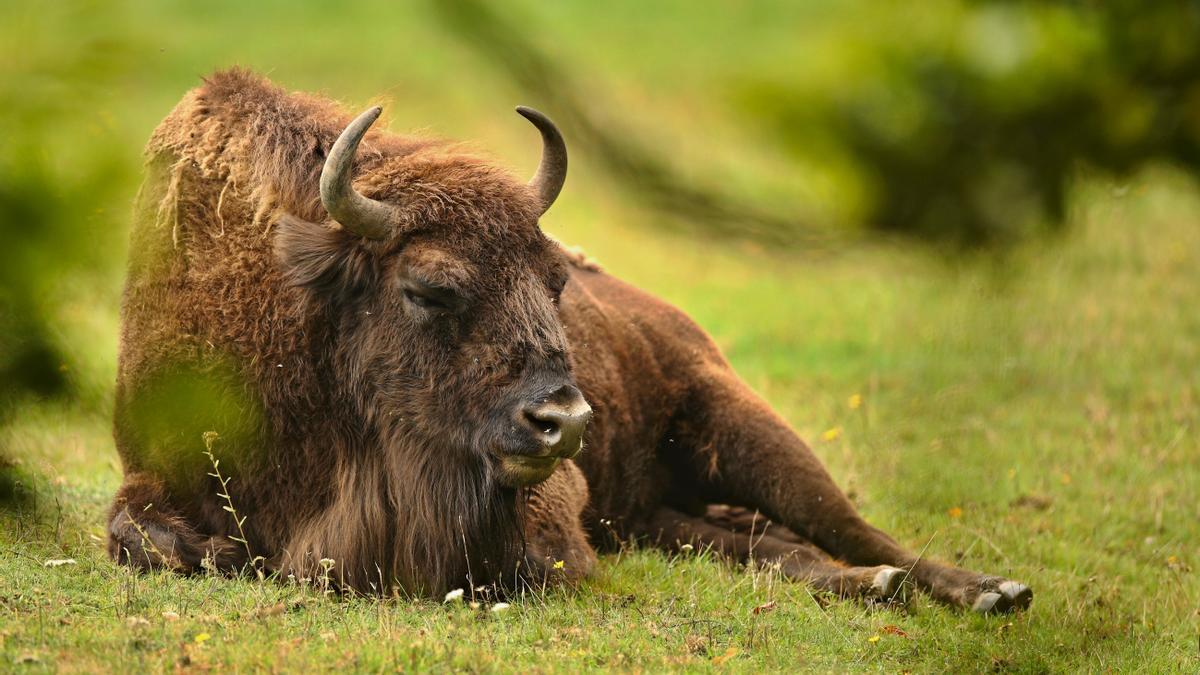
point(979, 217)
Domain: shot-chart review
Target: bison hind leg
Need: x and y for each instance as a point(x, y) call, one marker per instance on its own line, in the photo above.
point(745, 536)
point(802, 560)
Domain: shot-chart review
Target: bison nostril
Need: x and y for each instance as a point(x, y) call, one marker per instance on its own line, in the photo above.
point(559, 425)
point(542, 422)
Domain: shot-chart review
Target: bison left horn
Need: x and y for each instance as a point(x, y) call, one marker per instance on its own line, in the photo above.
point(552, 171)
point(362, 215)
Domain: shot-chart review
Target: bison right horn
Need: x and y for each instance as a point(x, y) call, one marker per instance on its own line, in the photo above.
point(552, 170)
point(362, 215)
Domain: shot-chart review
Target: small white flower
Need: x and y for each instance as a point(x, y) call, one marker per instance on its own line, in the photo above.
point(454, 595)
point(500, 606)
point(59, 562)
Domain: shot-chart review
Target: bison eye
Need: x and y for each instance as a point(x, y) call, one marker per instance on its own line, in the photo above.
point(430, 300)
point(426, 302)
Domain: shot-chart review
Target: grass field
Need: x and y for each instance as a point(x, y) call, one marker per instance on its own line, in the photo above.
point(1035, 417)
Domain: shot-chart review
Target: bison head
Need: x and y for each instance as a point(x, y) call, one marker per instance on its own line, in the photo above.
point(437, 297)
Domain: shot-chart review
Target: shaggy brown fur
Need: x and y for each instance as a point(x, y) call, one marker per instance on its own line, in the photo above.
point(360, 425)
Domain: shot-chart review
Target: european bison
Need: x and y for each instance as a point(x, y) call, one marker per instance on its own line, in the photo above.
point(355, 354)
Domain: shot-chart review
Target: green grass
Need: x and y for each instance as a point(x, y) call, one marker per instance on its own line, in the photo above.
point(1036, 418)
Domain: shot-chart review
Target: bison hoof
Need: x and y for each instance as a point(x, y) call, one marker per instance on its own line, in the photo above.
point(1008, 597)
point(1018, 596)
point(989, 602)
point(888, 584)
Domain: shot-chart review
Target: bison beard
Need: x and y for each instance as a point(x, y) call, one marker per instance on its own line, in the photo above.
point(387, 362)
point(417, 526)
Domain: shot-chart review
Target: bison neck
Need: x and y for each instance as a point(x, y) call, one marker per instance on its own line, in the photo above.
point(412, 521)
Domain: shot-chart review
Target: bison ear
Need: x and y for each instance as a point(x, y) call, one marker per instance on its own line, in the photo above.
point(326, 260)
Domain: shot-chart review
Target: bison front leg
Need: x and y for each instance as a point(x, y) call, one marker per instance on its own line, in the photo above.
point(146, 532)
point(556, 547)
point(749, 456)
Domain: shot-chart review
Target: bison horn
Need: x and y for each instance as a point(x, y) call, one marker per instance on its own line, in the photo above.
point(356, 213)
point(552, 171)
